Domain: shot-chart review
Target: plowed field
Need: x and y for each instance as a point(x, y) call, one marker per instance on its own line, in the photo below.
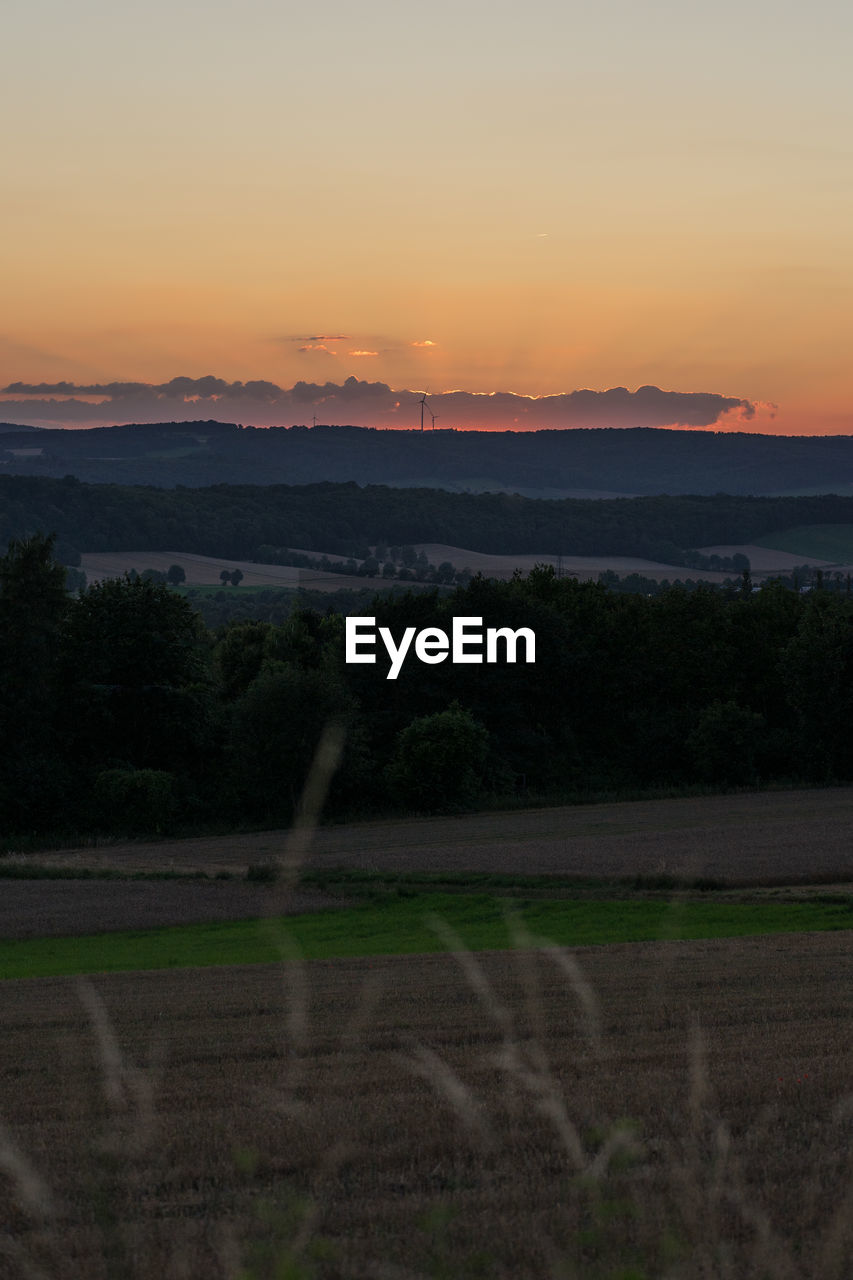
point(737, 838)
point(47, 908)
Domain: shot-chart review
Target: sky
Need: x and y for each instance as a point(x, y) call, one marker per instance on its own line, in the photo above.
point(459, 196)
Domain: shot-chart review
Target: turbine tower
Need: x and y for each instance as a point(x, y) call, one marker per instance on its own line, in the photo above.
point(423, 402)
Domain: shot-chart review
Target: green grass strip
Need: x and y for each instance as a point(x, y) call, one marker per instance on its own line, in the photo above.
point(400, 926)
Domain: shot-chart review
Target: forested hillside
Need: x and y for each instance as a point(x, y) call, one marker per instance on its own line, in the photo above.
point(235, 521)
point(548, 463)
point(120, 712)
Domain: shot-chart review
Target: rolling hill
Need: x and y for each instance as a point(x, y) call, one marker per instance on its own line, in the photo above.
point(598, 463)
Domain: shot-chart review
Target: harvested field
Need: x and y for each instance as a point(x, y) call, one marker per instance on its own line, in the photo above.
point(764, 561)
point(205, 570)
point(59, 908)
point(744, 837)
point(379, 1119)
point(571, 566)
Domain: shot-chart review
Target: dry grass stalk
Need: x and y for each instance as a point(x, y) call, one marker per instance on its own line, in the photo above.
point(128, 1091)
point(29, 1188)
point(465, 1106)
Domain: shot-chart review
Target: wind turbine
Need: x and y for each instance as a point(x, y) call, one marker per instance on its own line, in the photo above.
point(433, 416)
point(423, 402)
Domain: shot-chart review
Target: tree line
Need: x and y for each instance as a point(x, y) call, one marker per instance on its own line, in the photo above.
point(121, 712)
point(239, 521)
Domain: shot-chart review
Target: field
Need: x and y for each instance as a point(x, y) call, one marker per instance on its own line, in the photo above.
point(674, 1109)
point(403, 1118)
point(570, 566)
point(391, 924)
point(744, 837)
point(205, 571)
point(830, 543)
point(67, 908)
point(765, 559)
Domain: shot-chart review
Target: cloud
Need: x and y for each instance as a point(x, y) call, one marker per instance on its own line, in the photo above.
point(426, 343)
point(177, 388)
point(362, 403)
point(316, 337)
point(317, 346)
point(756, 412)
point(362, 353)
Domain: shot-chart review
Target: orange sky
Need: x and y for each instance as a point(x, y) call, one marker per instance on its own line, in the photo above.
point(554, 195)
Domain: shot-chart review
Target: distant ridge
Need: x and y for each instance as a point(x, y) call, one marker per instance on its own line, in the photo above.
point(577, 462)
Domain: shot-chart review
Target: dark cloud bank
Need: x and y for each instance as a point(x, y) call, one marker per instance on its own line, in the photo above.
point(358, 403)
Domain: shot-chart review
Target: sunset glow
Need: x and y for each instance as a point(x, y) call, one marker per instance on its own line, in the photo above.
point(541, 198)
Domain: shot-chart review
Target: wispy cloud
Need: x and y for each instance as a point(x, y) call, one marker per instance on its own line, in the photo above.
point(427, 342)
point(315, 337)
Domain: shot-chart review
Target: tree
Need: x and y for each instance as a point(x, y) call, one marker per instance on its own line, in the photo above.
point(135, 801)
point(32, 588)
point(33, 606)
point(225, 576)
point(439, 759)
point(134, 670)
point(239, 655)
point(176, 575)
point(275, 727)
point(725, 743)
point(236, 577)
point(817, 668)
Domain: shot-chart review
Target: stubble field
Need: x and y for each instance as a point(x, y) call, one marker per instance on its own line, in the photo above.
point(206, 570)
point(681, 1110)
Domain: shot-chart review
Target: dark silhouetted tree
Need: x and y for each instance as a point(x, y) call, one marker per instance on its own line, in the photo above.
point(136, 670)
point(33, 607)
point(439, 760)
